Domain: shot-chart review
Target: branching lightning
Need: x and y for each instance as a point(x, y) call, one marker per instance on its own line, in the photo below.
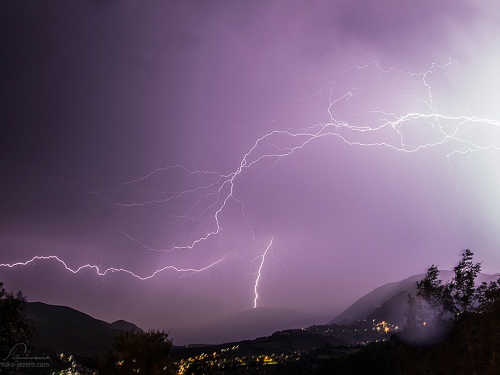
point(111, 270)
point(415, 131)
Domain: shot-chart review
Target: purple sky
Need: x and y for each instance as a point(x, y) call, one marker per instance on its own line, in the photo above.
point(97, 95)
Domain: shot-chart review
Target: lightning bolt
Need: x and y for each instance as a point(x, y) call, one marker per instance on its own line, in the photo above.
point(259, 273)
point(111, 270)
point(208, 193)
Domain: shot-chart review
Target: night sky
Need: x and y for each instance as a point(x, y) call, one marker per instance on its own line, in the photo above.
point(362, 138)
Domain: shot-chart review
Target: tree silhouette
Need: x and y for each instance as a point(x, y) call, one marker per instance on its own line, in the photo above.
point(431, 289)
point(138, 352)
point(436, 302)
point(14, 325)
point(462, 289)
point(469, 343)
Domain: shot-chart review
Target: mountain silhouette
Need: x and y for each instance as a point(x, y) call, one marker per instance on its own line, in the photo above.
point(61, 329)
point(389, 301)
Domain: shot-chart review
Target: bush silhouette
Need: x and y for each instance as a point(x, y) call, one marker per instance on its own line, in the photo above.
point(138, 352)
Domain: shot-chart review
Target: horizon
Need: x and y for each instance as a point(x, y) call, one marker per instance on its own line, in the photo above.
point(173, 163)
point(251, 324)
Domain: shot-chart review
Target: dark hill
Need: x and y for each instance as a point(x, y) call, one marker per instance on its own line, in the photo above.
point(392, 310)
point(389, 302)
point(125, 326)
point(373, 300)
point(61, 329)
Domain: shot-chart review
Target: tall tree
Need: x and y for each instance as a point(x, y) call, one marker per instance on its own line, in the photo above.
point(462, 287)
point(469, 343)
point(14, 325)
point(436, 301)
point(431, 289)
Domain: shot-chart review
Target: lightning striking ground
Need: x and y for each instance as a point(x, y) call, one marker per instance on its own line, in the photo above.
point(259, 274)
point(422, 126)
